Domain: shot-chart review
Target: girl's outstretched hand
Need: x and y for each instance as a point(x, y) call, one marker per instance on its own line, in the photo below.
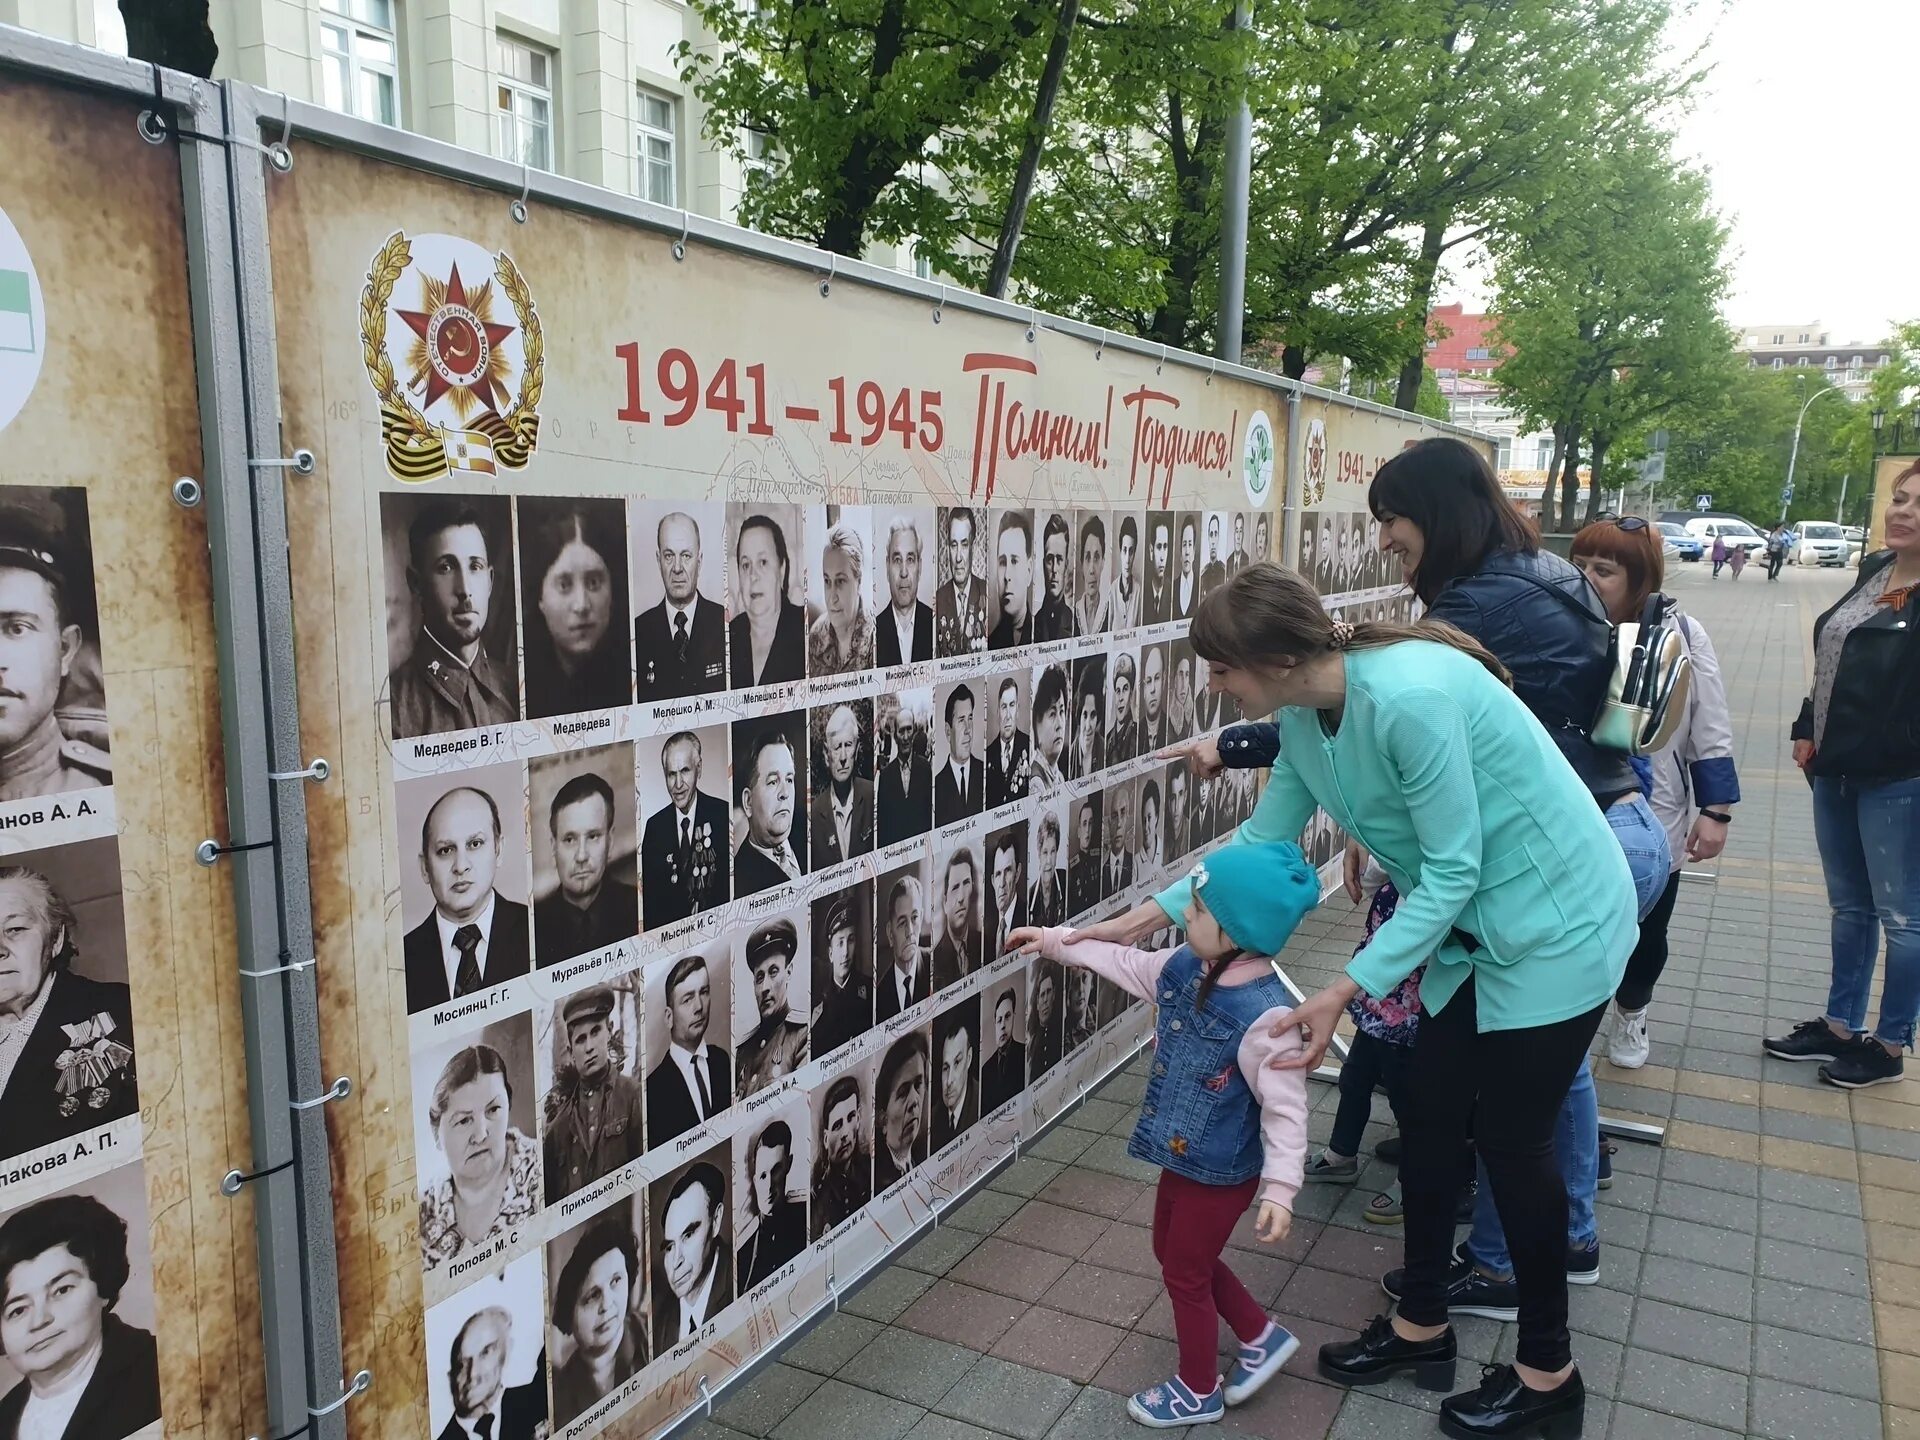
point(1023, 937)
point(1274, 1222)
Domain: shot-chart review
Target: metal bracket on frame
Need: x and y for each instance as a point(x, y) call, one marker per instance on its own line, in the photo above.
point(317, 772)
point(301, 462)
point(359, 1385)
point(156, 128)
point(339, 1090)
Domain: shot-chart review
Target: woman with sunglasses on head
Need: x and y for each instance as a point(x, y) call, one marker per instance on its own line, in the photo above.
point(1694, 781)
point(1858, 739)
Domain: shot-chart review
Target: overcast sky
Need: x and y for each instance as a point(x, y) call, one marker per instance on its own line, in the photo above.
point(1805, 127)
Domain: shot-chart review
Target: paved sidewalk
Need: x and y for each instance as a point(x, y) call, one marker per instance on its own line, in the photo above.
point(1761, 1273)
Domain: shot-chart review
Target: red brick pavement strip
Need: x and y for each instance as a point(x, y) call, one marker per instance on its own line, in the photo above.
point(1052, 1227)
point(1126, 1247)
point(1097, 1293)
point(1009, 1269)
point(1098, 1194)
point(962, 1315)
point(1060, 1344)
point(1344, 1300)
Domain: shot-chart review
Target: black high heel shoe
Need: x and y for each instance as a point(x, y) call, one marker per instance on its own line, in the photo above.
point(1505, 1405)
point(1380, 1353)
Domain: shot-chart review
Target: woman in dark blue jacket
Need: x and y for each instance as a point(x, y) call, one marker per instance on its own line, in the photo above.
point(1474, 562)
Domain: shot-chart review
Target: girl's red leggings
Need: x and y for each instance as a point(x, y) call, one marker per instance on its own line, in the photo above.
point(1191, 1223)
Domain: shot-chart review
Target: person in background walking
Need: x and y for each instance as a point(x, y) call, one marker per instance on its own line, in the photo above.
point(1694, 781)
point(1719, 554)
point(1223, 1124)
point(1858, 739)
point(1737, 559)
point(1778, 539)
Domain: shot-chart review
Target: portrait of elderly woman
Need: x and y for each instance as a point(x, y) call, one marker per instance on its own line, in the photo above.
point(767, 636)
point(86, 1374)
point(840, 642)
point(492, 1179)
point(66, 1041)
point(573, 559)
point(598, 1303)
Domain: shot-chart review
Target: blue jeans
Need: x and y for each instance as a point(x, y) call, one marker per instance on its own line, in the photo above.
point(1576, 1135)
point(1576, 1145)
point(1869, 838)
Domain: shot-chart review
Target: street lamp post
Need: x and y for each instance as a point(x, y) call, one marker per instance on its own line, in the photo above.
point(1786, 494)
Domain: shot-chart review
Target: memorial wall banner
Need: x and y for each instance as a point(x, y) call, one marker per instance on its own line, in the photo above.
point(717, 665)
point(122, 1095)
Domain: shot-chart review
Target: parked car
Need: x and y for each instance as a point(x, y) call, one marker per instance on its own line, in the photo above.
point(1679, 543)
point(1820, 542)
point(1731, 529)
point(1856, 543)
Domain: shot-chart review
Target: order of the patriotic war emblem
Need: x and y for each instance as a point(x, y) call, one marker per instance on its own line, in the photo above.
point(453, 346)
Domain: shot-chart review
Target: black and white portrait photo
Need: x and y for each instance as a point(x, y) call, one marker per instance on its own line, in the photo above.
point(772, 1160)
point(591, 1121)
point(1154, 693)
point(959, 771)
point(1082, 1019)
point(486, 1363)
point(1186, 565)
point(767, 634)
point(1262, 537)
point(692, 1247)
point(1213, 563)
point(1201, 819)
point(956, 1058)
point(1087, 746)
point(900, 1109)
point(1365, 571)
point(67, 1046)
point(1051, 712)
point(53, 726)
point(474, 1146)
point(1046, 1016)
point(840, 819)
point(1047, 897)
point(1003, 1060)
point(1090, 589)
point(1011, 587)
point(77, 1314)
point(840, 640)
point(679, 597)
point(956, 868)
point(770, 802)
point(842, 1151)
point(1123, 706)
point(1150, 844)
point(599, 1307)
point(1009, 748)
point(1310, 549)
point(573, 598)
point(689, 1059)
point(904, 584)
point(1182, 668)
point(903, 962)
point(1053, 610)
point(772, 978)
point(1237, 556)
point(960, 605)
point(1156, 589)
point(903, 754)
point(1176, 815)
point(1326, 579)
point(1006, 852)
point(450, 612)
point(584, 862)
point(1116, 860)
point(843, 952)
point(463, 900)
point(1124, 603)
point(1086, 834)
point(686, 848)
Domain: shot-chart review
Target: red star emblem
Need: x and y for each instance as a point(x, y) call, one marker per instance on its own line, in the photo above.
point(457, 352)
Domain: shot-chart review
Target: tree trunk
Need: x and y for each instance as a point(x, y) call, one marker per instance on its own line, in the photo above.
point(174, 33)
point(1548, 490)
point(1425, 267)
point(1570, 480)
point(1293, 361)
point(1601, 444)
point(1037, 128)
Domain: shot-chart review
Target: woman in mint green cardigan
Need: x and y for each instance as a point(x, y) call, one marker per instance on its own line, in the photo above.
point(1514, 894)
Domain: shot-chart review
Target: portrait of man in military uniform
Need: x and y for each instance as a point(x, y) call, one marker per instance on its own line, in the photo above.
point(842, 1161)
point(450, 585)
point(685, 852)
point(960, 605)
point(842, 984)
point(770, 1218)
point(591, 1121)
point(53, 719)
point(776, 1046)
point(956, 1056)
point(586, 849)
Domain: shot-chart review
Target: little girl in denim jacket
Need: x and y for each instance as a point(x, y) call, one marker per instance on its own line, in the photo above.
point(1220, 1122)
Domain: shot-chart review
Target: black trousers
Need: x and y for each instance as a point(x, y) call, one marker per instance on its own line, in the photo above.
point(1369, 1062)
point(1649, 957)
point(1508, 1086)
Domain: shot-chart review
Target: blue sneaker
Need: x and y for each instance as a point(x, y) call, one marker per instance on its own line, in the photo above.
point(1260, 1362)
point(1172, 1404)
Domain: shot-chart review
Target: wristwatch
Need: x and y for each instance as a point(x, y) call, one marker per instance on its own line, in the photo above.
point(1719, 815)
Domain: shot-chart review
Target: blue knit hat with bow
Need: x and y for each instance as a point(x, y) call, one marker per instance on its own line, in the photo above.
point(1258, 892)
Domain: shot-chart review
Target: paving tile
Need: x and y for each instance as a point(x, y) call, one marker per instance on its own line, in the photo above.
point(1900, 1380)
point(1009, 1269)
point(1025, 1177)
point(1817, 1361)
point(1139, 1360)
point(1005, 1397)
point(1685, 1389)
point(1062, 1143)
point(1828, 1160)
point(938, 1251)
point(984, 1212)
point(1692, 1335)
point(1708, 1207)
point(1094, 1415)
point(1822, 1269)
point(910, 1367)
point(1819, 1228)
point(1113, 1296)
point(1899, 1243)
point(758, 1404)
point(1630, 1422)
point(1895, 1327)
point(1698, 1287)
point(1792, 1412)
point(1372, 1416)
point(962, 1315)
point(1815, 1192)
point(1712, 1140)
point(886, 1293)
point(1104, 1195)
point(1050, 1227)
point(1343, 1300)
point(836, 1411)
point(1883, 1140)
point(940, 1427)
point(835, 1340)
point(1710, 1171)
point(1286, 1408)
point(1125, 1247)
point(1099, 1114)
point(1708, 1244)
point(1061, 1344)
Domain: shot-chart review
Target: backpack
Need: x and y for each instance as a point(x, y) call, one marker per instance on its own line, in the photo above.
point(1647, 689)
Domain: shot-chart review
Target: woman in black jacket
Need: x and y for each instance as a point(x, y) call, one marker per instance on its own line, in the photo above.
point(1858, 739)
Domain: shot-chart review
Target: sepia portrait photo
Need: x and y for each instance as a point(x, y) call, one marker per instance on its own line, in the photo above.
point(770, 802)
point(957, 904)
point(692, 1248)
point(900, 1108)
point(1054, 576)
point(591, 1121)
point(905, 578)
point(959, 771)
point(474, 1145)
point(772, 1162)
point(1047, 867)
point(1003, 1059)
point(767, 631)
point(584, 863)
point(840, 636)
point(903, 760)
point(842, 1174)
point(1010, 587)
point(772, 979)
point(486, 1357)
point(598, 1276)
point(903, 961)
point(840, 816)
point(956, 1059)
point(573, 598)
point(843, 959)
point(1052, 703)
point(679, 598)
point(960, 613)
point(686, 839)
point(688, 1029)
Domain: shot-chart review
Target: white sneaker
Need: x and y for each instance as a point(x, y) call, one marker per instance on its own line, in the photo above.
point(1627, 1046)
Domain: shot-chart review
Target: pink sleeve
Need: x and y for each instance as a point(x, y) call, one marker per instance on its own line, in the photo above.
point(1134, 971)
point(1283, 1107)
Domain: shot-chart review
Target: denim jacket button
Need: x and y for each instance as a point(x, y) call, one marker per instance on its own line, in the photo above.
point(1174, 1025)
point(1160, 1069)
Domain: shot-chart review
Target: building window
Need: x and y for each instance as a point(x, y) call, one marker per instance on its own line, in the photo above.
point(1832, 362)
point(1779, 339)
point(1801, 361)
point(759, 161)
point(523, 98)
point(1503, 455)
point(1853, 362)
point(655, 145)
point(1778, 362)
point(1804, 337)
point(1477, 352)
point(359, 69)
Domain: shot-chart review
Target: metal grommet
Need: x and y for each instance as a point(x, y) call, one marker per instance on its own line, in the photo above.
point(318, 772)
point(940, 305)
point(680, 245)
point(833, 268)
point(304, 463)
point(207, 851)
point(186, 492)
point(1033, 324)
point(280, 152)
point(518, 208)
point(152, 128)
